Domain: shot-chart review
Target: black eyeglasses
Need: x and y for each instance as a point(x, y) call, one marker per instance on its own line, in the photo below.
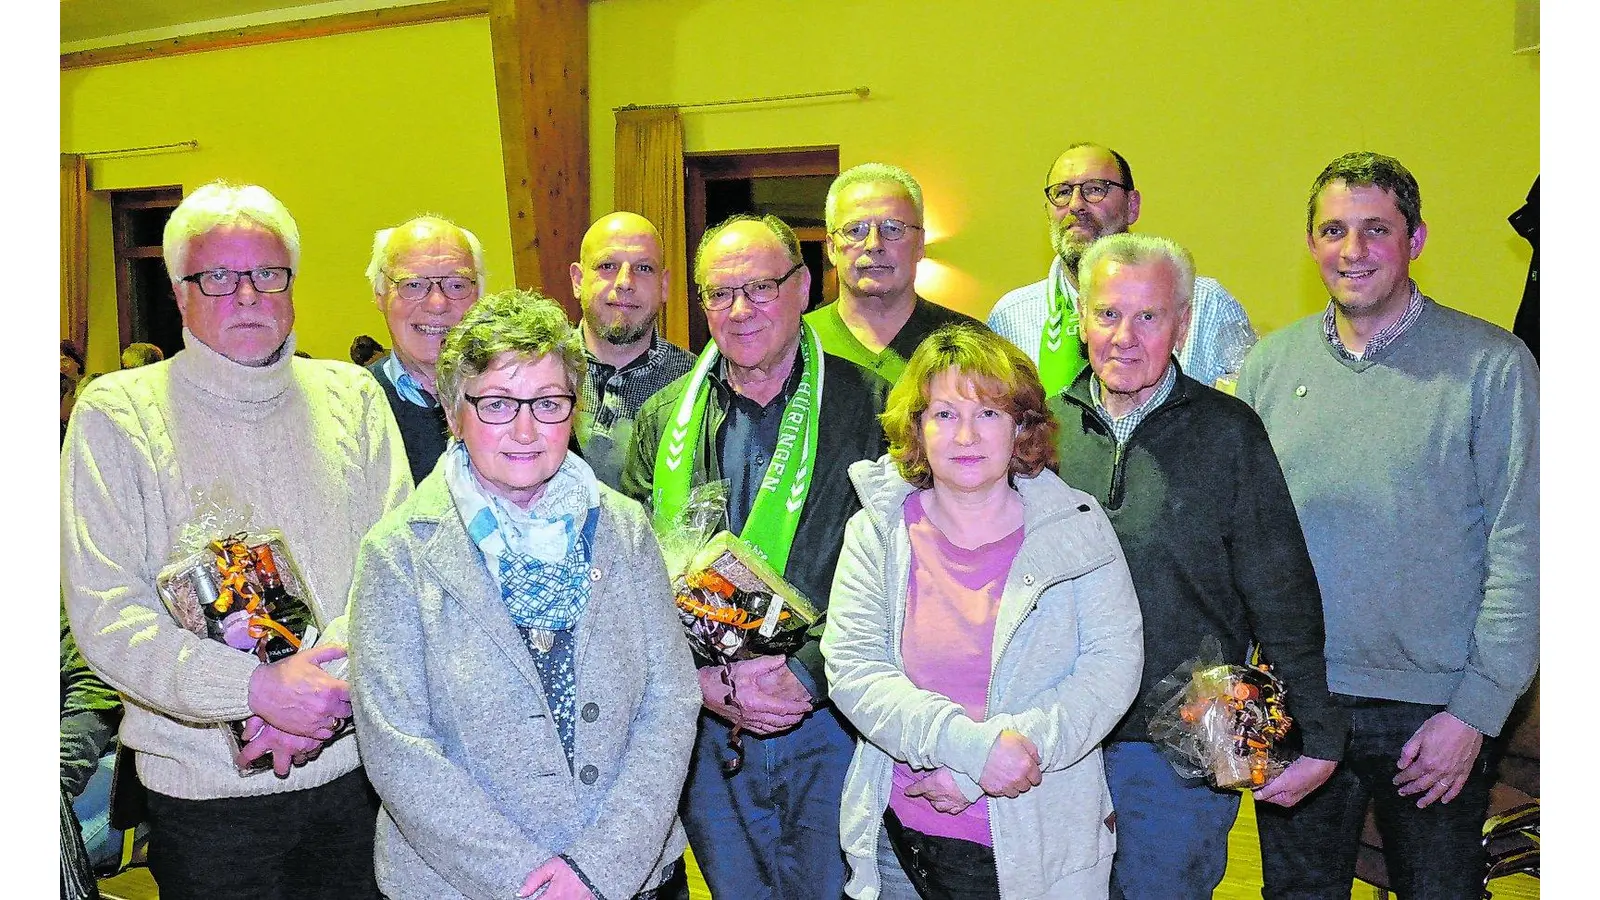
point(225, 282)
point(1094, 190)
point(552, 409)
point(889, 230)
point(417, 287)
point(764, 290)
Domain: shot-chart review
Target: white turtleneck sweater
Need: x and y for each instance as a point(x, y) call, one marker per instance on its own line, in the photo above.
point(309, 445)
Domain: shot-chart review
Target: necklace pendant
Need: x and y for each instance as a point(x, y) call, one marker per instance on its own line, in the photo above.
point(541, 640)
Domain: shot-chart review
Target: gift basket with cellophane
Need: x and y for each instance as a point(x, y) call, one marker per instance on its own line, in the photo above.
point(1224, 722)
point(732, 604)
point(240, 586)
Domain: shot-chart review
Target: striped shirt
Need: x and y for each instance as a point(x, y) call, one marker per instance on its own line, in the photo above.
point(1385, 337)
point(1219, 329)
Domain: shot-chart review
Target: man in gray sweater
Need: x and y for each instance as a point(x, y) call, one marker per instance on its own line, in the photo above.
point(1408, 433)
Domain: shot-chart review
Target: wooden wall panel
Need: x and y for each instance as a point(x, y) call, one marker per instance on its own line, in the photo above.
point(541, 65)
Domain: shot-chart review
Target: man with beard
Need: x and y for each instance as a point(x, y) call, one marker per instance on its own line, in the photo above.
point(425, 274)
point(874, 221)
point(621, 283)
point(1090, 194)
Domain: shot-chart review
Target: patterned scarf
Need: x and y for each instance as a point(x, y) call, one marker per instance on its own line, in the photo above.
point(538, 557)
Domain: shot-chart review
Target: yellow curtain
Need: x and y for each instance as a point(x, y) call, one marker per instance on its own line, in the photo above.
point(649, 181)
point(75, 250)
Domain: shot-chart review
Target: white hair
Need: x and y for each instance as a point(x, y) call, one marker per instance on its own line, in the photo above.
point(870, 173)
point(220, 204)
point(1131, 249)
point(384, 255)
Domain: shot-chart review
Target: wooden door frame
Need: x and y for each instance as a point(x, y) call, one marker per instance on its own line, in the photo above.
point(162, 196)
point(703, 166)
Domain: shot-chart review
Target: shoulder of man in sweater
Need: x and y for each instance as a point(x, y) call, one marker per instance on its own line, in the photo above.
point(1488, 337)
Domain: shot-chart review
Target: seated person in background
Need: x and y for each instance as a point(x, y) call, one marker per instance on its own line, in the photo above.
point(72, 369)
point(365, 350)
point(525, 697)
point(90, 712)
point(139, 354)
point(967, 542)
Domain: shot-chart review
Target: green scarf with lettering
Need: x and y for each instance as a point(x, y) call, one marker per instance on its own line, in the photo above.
point(1060, 349)
point(775, 515)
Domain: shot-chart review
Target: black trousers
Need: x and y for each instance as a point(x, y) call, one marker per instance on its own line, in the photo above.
point(1308, 852)
point(301, 845)
point(942, 868)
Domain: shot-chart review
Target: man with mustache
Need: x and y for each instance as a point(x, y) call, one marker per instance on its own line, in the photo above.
point(425, 274)
point(620, 282)
point(1089, 193)
point(874, 220)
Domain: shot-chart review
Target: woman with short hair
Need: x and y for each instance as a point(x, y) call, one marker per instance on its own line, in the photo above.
point(983, 637)
point(524, 697)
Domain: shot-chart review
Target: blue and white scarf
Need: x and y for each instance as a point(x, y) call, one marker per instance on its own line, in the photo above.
point(539, 557)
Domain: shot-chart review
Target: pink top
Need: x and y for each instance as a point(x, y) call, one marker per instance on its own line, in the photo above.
point(952, 600)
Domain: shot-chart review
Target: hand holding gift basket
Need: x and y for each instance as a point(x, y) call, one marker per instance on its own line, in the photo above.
point(1223, 722)
point(241, 587)
point(733, 604)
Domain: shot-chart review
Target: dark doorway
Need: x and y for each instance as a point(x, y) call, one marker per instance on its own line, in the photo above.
point(146, 308)
point(790, 184)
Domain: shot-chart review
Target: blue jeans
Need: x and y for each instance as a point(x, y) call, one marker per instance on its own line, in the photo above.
point(771, 830)
point(93, 808)
point(1308, 852)
point(1172, 832)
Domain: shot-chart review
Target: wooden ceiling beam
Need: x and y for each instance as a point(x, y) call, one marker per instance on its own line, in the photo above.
point(541, 74)
point(299, 29)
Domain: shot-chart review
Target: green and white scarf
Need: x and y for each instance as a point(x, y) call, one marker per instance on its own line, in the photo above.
point(1060, 349)
point(775, 515)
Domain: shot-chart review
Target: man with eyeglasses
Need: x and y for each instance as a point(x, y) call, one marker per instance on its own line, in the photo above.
point(874, 220)
point(1089, 193)
point(620, 282)
point(310, 449)
point(767, 410)
point(425, 274)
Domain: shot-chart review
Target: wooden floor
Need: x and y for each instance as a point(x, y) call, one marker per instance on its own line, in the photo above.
point(1242, 882)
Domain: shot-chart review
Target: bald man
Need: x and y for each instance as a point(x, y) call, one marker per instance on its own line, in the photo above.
point(425, 274)
point(620, 282)
point(1089, 194)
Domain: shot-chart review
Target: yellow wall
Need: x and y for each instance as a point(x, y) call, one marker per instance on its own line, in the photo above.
point(1225, 110)
point(353, 133)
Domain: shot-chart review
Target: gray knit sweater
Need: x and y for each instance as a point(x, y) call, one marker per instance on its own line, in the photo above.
point(309, 444)
point(1416, 476)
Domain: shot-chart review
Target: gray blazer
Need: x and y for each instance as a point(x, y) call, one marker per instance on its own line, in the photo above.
point(455, 732)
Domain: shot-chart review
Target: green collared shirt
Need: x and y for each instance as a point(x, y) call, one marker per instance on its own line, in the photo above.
point(926, 318)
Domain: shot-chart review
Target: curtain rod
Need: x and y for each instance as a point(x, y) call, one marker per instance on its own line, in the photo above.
point(190, 144)
point(860, 92)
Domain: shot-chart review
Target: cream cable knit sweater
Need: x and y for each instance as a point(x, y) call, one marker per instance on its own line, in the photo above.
point(310, 445)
